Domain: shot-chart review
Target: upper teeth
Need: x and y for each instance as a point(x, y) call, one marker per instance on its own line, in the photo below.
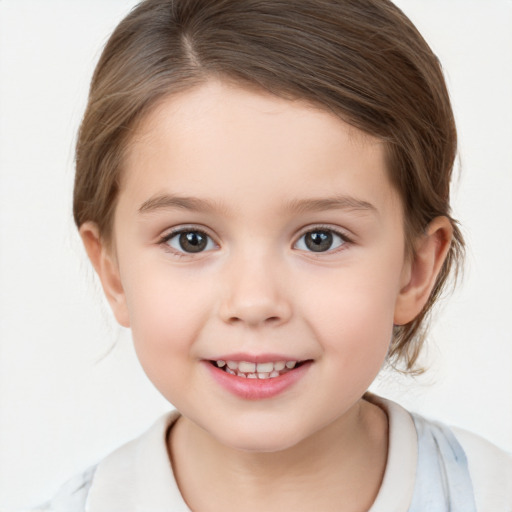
point(256, 370)
point(246, 367)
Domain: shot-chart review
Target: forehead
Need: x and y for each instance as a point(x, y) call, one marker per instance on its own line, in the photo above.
point(234, 142)
point(215, 107)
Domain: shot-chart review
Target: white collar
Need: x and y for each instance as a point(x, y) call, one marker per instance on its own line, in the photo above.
point(138, 476)
point(397, 486)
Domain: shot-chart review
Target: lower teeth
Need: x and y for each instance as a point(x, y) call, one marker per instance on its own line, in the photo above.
point(261, 376)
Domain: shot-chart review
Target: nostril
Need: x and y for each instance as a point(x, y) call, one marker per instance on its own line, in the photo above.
point(254, 311)
point(260, 320)
point(270, 319)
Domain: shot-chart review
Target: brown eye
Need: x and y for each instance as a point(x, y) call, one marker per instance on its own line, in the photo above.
point(191, 241)
point(320, 240)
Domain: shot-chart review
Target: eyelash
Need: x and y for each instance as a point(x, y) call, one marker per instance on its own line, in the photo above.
point(164, 240)
point(345, 240)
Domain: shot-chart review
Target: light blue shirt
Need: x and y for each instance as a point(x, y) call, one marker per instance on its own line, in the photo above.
point(443, 482)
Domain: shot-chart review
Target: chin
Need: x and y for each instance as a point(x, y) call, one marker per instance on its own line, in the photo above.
point(255, 439)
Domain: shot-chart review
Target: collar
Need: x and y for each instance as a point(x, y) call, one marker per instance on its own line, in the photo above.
point(138, 476)
point(397, 486)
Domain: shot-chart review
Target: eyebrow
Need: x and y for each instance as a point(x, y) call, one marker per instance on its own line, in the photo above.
point(343, 202)
point(167, 202)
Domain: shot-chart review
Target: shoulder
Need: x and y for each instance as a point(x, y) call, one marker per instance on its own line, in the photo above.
point(114, 482)
point(490, 469)
point(72, 496)
point(443, 463)
point(456, 451)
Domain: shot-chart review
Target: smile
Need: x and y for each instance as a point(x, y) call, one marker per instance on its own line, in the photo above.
point(250, 370)
point(251, 380)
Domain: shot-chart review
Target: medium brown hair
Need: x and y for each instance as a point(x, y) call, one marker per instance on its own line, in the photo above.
point(361, 59)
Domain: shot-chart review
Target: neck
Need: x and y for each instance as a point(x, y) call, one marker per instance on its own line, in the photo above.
point(343, 463)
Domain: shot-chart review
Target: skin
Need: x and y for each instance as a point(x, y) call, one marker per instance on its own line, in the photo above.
point(259, 165)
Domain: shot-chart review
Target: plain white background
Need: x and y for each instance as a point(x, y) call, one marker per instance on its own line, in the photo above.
point(64, 400)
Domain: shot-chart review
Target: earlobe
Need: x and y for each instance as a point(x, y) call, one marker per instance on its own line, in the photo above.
point(105, 265)
point(421, 273)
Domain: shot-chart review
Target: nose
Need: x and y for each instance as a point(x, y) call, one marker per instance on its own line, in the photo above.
point(255, 294)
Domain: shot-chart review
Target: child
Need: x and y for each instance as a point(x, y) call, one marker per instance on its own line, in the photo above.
point(263, 190)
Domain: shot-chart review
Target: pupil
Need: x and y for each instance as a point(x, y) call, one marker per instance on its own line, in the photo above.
point(319, 241)
point(193, 241)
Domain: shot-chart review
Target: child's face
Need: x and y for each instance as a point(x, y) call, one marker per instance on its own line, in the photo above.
point(251, 228)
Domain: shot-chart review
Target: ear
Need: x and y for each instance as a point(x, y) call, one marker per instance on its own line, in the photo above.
point(105, 265)
point(421, 272)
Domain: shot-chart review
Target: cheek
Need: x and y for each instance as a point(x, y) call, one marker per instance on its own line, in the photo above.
point(355, 340)
point(166, 314)
point(354, 317)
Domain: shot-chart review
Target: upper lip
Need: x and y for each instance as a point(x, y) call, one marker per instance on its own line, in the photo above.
point(255, 358)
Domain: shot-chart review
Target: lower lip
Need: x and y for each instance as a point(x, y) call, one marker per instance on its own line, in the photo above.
point(257, 389)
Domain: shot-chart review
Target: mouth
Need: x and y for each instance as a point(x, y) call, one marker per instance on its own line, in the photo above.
point(262, 371)
point(257, 377)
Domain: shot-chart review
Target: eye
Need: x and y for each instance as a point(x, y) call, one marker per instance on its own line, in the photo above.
point(320, 240)
point(189, 241)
